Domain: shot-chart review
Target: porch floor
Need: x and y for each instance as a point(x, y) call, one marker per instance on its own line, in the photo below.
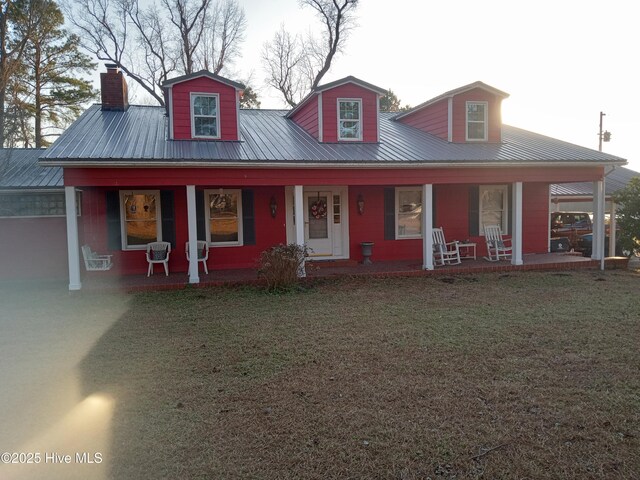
point(158, 281)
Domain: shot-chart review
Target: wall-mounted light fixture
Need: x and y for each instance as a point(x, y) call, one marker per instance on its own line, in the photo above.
point(360, 203)
point(273, 205)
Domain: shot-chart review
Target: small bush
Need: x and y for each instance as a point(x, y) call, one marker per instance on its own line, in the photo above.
point(280, 265)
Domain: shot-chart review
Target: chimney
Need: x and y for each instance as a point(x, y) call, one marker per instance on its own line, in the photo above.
point(114, 89)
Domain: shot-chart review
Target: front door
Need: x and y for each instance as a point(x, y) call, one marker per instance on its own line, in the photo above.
point(318, 223)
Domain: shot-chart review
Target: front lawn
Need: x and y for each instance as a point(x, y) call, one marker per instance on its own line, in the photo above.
point(516, 375)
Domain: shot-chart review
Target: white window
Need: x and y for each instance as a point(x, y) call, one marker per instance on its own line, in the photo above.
point(224, 215)
point(140, 218)
point(477, 120)
point(494, 206)
point(204, 115)
point(349, 119)
point(408, 212)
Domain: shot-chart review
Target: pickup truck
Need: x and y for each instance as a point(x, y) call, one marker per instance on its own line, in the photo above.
point(570, 225)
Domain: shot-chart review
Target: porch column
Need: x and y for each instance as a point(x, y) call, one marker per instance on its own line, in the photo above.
point(612, 229)
point(516, 231)
point(192, 228)
point(427, 227)
point(597, 245)
point(298, 207)
point(73, 248)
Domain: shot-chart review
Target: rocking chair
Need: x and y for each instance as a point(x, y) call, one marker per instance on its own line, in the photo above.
point(498, 248)
point(444, 253)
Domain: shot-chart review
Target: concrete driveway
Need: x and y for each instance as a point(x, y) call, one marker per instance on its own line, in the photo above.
point(50, 427)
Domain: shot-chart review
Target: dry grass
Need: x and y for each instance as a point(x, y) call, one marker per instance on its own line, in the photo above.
point(494, 376)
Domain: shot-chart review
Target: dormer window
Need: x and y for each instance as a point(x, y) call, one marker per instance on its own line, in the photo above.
point(477, 121)
point(204, 115)
point(349, 119)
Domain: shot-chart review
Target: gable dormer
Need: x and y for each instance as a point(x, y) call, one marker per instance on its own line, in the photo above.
point(469, 114)
point(344, 111)
point(203, 106)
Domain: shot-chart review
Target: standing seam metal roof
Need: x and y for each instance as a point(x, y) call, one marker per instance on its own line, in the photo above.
point(139, 134)
point(19, 169)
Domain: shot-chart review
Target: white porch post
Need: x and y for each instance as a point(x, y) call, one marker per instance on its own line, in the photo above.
point(73, 248)
point(597, 244)
point(612, 229)
point(427, 227)
point(298, 206)
point(516, 231)
point(192, 228)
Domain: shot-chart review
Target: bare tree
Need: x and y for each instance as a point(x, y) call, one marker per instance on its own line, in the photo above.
point(150, 43)
point(295, 65)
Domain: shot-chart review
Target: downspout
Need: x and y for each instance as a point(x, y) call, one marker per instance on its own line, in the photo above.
point(604, 202)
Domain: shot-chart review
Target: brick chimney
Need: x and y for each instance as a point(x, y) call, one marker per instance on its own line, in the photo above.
point(114, 89)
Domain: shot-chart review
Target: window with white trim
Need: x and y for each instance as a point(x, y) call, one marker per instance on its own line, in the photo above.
point(224, 217)
point(477, 121)
point(140, 218)
point(494, 206)
point(349, 119)
point(204, 115)
point(408, 212)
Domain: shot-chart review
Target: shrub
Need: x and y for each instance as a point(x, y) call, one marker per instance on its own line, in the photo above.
point(280, 265)
point(628, 215)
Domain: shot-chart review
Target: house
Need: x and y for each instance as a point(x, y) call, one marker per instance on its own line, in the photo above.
point(331, 173)
point(33, 230)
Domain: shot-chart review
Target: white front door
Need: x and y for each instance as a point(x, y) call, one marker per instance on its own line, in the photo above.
point(318, 222)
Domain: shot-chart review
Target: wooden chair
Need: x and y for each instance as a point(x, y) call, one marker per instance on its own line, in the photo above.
point(498, 248)
point(95, 262)
point(158, 252)
point(203, 253)
point(444, 253)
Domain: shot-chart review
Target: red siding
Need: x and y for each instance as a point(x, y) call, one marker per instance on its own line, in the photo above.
point(307, 117)
point(535, 218)
point(460, 114)
point(269, 231)
point(228, 112)
point(433, 119)
point(33, 248)
point(150, 177)
point(330, 112)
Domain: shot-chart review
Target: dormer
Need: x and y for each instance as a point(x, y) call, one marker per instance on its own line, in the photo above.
point(344, 111)
point(469, 114)
point(203, 106)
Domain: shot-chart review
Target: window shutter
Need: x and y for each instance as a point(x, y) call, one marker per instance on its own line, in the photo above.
point(390, 213)
point(510, 210)
point(248, 218)
point(114, 233)
point(168, 221)
point(474, 210)
point(200, 219)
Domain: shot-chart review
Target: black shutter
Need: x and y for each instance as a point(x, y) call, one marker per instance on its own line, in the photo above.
point(114, 234)
point(390, 213)
point(167, 208)
point(200, 220)
point(248, 218)
point(474, 210)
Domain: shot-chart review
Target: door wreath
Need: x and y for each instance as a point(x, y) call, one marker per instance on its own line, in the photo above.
point(319, 209)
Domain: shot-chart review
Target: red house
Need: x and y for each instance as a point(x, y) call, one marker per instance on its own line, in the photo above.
point(331, 173)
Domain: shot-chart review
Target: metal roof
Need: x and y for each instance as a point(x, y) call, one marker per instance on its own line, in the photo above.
point(19, 169)
point(137, 136)
point(616, 180)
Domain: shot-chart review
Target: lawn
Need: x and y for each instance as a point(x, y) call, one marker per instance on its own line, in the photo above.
point(516, 375)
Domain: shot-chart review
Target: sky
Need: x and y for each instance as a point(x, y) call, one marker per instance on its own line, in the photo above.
point(562, 62)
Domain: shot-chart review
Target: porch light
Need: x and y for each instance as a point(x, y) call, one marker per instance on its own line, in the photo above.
point(360, 203)
point(273, 205)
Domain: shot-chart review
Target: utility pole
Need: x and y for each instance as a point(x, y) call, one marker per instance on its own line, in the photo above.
point(603, 136)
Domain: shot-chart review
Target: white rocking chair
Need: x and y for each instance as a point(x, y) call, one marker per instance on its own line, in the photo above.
point(95, 262)
point(203, 253)
point(498, 248)
point(444, 253)
point(158, 252)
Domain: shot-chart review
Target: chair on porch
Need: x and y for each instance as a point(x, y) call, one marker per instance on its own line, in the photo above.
point(203, 253)
point(158, 252)
point(444, 253)
point(95, 262)
point(498, 248)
